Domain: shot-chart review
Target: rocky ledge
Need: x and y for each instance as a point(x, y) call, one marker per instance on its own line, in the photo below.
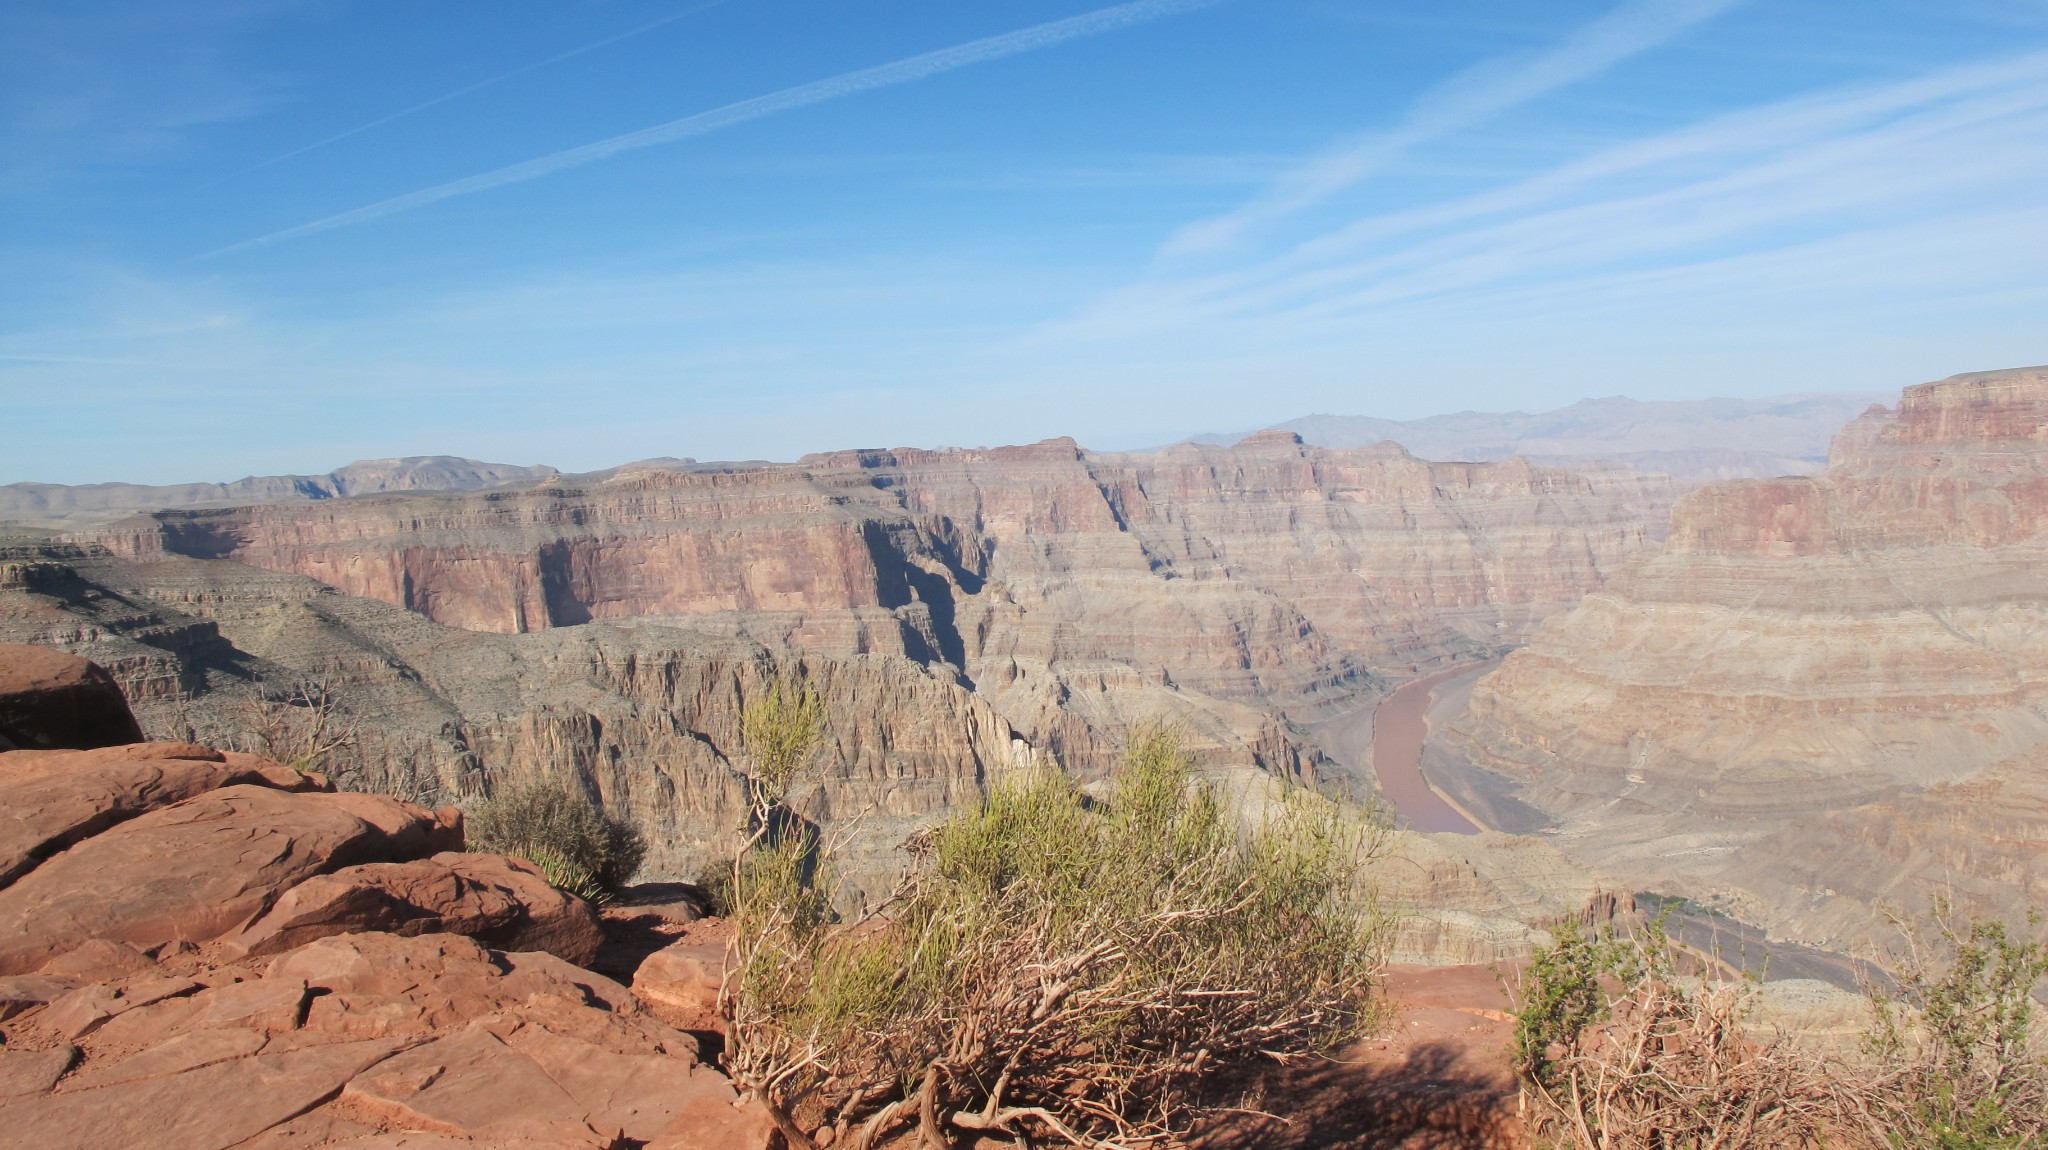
point(201, 950)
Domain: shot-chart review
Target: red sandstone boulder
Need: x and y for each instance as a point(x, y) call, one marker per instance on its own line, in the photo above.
point(526, 1045)
point(51, 699)
point(99, 960)
point(505, 902)
point(50, 800)
point(386, 983)
point(87, 1009)
point(681, 983)
point(29, 1072)
point(24, 992)
point(203, 867)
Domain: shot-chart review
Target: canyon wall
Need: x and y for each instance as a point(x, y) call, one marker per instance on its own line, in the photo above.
point(1236, 589)
point(644, 719)
point(1823, 692)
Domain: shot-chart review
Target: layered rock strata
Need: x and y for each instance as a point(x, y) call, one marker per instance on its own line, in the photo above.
point(1077, 591)
point(643, 719)
point(1825, 691)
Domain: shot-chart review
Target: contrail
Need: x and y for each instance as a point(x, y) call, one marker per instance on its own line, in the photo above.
point(464, 91)
point(803, 95)
point(1472, 96)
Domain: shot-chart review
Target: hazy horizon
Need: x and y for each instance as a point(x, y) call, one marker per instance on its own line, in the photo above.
point(314, 468)
point(246, 237)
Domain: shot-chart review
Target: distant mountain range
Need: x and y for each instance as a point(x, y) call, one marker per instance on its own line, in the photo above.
point(1694, 441)
point(55, 504)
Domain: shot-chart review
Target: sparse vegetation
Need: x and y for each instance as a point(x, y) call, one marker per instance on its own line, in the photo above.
point(781, 729)
point(301, 724)
point(1625, 1048)
point(1963, 1068)
point(1057, 968)
point(581, 850)
point(1622, 1047)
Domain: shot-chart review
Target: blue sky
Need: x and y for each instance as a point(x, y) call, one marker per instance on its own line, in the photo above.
point(253, 236)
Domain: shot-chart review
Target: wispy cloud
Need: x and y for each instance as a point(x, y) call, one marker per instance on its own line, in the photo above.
point(845, 84)
point(466, 89)
point(1468, 98)
point(1812, 174)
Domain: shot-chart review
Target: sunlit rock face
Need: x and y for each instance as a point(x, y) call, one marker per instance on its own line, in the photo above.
point(1229, 580)
point(1824, 691)
point(964, 612)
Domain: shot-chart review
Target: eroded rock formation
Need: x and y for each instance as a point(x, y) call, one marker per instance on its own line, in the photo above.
point(1825, 691)
point(134, 1012)
point(1076, 591)
point(962, 611)
point(644, 719)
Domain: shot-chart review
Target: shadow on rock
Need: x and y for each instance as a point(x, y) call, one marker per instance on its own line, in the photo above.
point(1435, 1096)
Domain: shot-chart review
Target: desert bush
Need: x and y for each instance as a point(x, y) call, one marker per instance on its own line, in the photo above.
point(579, 848)
point(301, 724)
point(1058, 968)
point(781, 729)
point(1622, 1047)
point(1960, 1065)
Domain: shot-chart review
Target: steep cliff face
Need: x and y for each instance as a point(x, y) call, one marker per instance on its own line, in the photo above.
point(1823, 691)
point(644, 718)
point(1075, 591)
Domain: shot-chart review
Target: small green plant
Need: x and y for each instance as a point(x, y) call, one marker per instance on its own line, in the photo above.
point(781, 728)
point(1562, 995)
point(1626, 1044)
point(1631, 1043)
point(563, 872)
point(580, 849)
point(1059, 968)
point(1965, 1069)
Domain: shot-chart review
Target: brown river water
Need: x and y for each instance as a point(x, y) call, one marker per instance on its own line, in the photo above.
point(1390, 737)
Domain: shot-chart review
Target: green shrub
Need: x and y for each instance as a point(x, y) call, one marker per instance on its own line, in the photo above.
point(1624, 1048)
point(1060, 968)
point(1562, 996)
point(1964, 1069)
point(780, 728)
point(1627, 1044)
point(580, 849)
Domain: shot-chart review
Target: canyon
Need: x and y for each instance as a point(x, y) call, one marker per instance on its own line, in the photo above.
point(962, 613)
point(1238, 590)
point(1824, 694)
point(1789, 700)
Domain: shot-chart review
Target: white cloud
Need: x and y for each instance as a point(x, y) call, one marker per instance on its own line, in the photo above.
point(1468, 98)
point(1951, 146)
